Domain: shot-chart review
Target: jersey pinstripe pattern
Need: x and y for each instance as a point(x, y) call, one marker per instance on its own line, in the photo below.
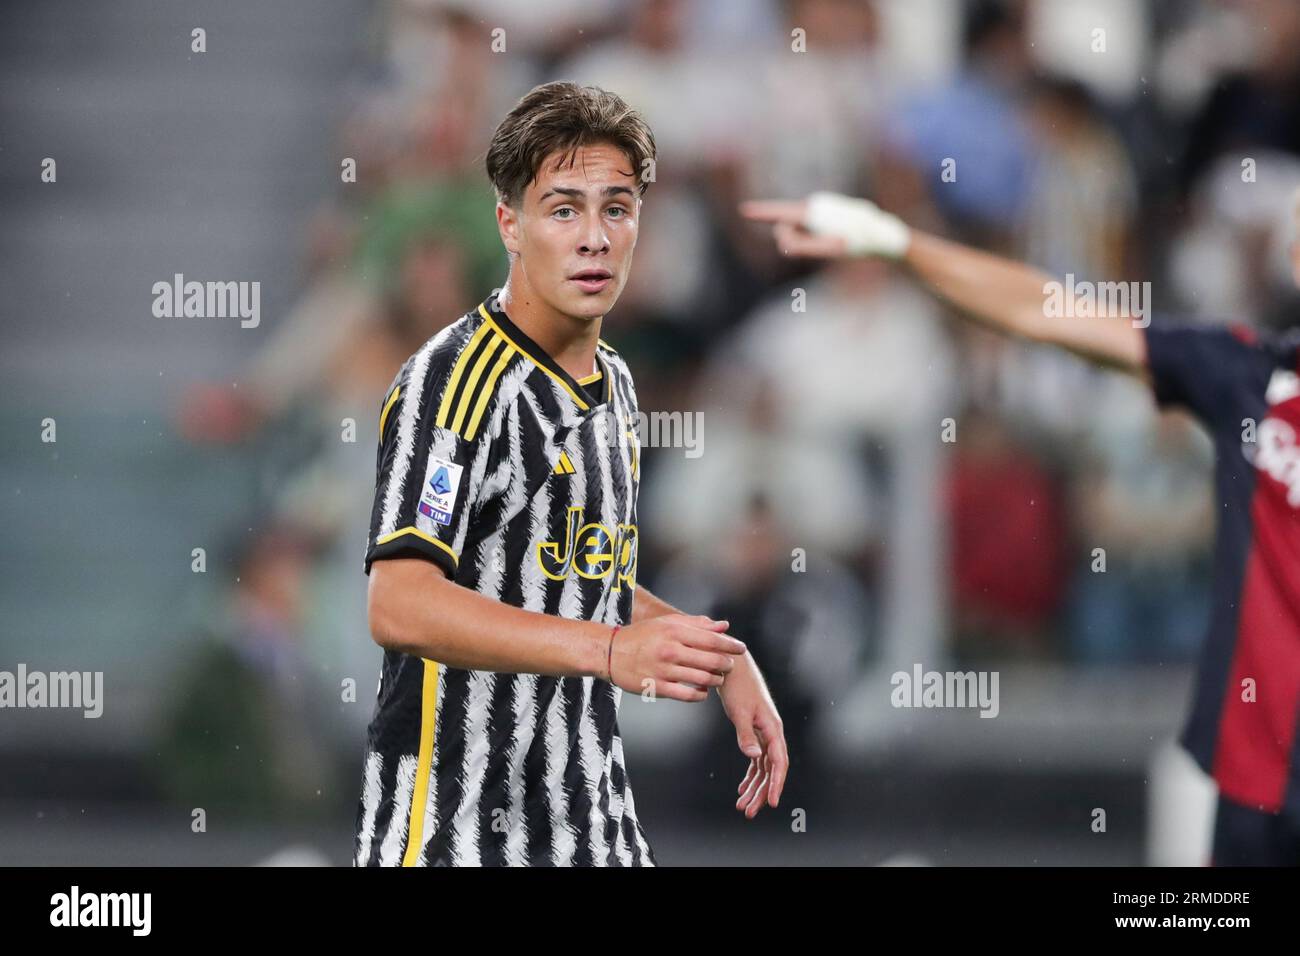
point(495, 464)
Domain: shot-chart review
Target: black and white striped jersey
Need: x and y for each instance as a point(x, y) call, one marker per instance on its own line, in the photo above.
point(521, 484)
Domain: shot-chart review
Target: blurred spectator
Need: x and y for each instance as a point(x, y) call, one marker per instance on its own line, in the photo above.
point(246, 728)
point(454, 211)
point(1257, 106)
point(1232, 256)
point(790, 369)
point(795, 143)
point(966, 145)
point(1102, 44)
point(1083, 196)
point(1077, 221)
point(649, 64)
point(1143, 523)
point(1009, 546)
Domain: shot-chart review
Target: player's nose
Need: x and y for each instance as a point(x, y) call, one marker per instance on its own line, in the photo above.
point(593, 237)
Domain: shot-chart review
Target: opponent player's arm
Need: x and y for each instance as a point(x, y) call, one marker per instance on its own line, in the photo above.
point(415, 609)
point(1006, 295)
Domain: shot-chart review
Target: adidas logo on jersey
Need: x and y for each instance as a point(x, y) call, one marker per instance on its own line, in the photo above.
point(563, 466)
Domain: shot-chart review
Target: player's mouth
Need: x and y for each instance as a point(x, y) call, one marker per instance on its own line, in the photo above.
point(592, 280)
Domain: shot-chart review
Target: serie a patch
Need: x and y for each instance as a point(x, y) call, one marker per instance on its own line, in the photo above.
point(438, 497)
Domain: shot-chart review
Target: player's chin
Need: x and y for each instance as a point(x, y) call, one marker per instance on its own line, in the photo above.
point(591, 305)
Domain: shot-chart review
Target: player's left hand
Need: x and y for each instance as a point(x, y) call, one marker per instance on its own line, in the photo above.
point(760, 735)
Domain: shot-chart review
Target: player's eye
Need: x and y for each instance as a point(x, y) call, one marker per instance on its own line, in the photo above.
point(618, 212)
point(564, 209)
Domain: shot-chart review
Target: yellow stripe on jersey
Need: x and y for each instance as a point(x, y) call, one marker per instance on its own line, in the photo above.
point(462, 360)
point(590, 378)
point(423, 536)
point(424, 765)
point(488, 388)
point(462, 406)
point(487, 316)
point(388, 406)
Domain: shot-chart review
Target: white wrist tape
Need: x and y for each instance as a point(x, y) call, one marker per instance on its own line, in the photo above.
point(866, 229)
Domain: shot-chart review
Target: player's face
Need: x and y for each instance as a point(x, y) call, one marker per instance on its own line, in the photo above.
point(575, 230)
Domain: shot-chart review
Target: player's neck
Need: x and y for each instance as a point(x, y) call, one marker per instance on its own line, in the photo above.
point(569, 340)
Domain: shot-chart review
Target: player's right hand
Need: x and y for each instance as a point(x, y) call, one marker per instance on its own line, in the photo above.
point(829, 225)
point(678, 656)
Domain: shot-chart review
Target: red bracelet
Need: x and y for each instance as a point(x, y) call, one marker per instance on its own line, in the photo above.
point(609, 660)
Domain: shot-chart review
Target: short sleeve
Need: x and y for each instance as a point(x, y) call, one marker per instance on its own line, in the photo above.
point(1200, 367)
point(431, 466)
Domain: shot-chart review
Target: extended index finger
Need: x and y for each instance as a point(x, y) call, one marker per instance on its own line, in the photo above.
point(774, 210)
point(793, 241)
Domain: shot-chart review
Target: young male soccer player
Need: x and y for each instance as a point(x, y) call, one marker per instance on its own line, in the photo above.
point(1243, 723)
point(503, 543)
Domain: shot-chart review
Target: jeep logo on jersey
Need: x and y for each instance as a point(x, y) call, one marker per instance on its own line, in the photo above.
point(439, 496)
point(591, 551)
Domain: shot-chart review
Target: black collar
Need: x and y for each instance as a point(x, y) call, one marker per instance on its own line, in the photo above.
point(492, 311)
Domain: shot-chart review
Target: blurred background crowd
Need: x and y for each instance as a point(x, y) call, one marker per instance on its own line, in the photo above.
point(1146, 140)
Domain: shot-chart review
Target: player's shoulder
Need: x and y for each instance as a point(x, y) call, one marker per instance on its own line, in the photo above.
point(1284, 347)
point(1270, 349)
point(437, 357)
point(457, 375)
point(1219, 359)
point(1223, 339)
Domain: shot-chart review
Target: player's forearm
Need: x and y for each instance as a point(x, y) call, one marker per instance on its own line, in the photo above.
point(1009, 296)
point(1000, 292)
point(414, 609)
point(1013, 298)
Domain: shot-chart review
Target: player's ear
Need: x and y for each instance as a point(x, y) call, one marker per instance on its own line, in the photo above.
point(508, 226)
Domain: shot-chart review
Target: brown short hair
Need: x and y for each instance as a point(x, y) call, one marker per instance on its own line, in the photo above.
point(563, 116)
